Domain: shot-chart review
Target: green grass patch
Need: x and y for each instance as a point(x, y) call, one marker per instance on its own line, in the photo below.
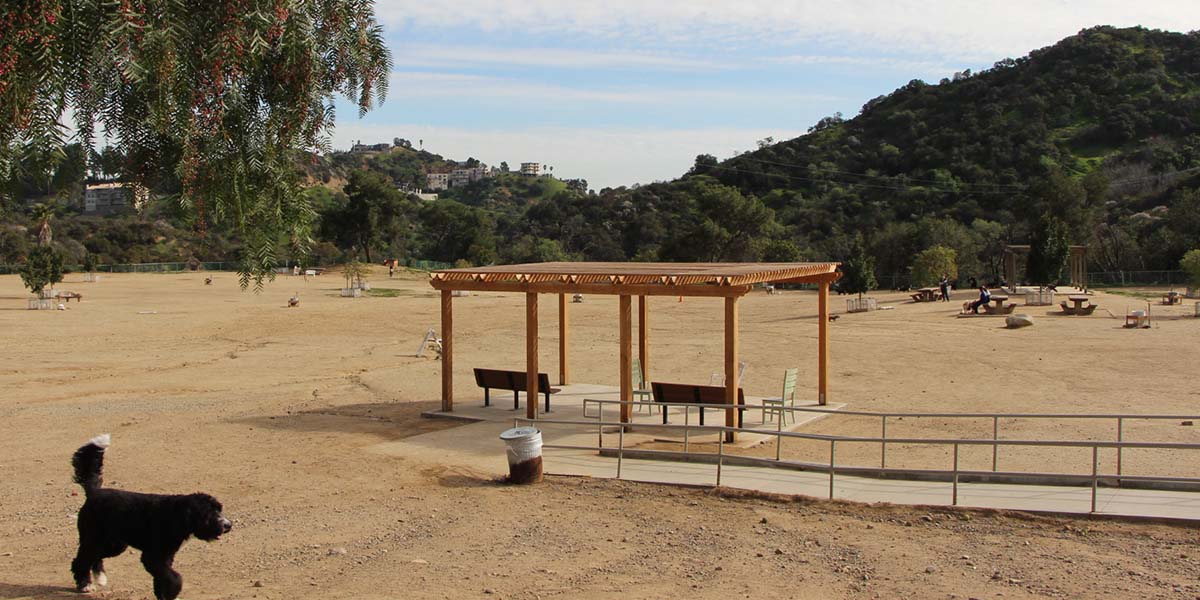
point(388, 293)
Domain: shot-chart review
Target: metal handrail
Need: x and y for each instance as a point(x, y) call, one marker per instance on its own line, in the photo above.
point(995, 417)
point(832, 467)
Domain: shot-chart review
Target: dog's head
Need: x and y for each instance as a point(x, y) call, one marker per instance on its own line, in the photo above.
point(204, 517)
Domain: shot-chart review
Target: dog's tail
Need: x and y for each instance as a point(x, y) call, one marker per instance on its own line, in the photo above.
point(89, 463)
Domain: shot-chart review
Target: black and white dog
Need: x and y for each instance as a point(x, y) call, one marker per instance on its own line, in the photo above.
point(157, 524)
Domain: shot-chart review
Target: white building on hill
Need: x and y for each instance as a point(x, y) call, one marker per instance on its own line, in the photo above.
point(109, 198)
point(531, 168)
point(437, 181)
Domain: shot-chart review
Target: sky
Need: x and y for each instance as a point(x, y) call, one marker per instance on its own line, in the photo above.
point(620, 92)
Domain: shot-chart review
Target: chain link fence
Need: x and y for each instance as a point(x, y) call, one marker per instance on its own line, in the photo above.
point(1137, 278)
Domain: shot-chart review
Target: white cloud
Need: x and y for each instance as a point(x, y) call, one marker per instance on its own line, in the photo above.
point(957, 29)
point(606, 157)
point(423, 55)
point(414, 84)
point(913, 67)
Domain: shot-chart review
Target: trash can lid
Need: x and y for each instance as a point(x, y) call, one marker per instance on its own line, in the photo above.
point(517, 433)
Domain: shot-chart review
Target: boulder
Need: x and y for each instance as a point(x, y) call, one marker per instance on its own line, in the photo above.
point(1018, 321)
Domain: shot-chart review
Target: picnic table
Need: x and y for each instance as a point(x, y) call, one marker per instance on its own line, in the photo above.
point(1079, 307)
point(66, 296)
point(926, 294)
point(997, 306)
point(1172, 297)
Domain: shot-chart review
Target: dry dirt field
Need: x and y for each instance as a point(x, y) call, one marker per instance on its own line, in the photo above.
point(275, 411)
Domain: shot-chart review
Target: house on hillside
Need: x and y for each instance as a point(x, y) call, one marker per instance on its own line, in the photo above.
point(110, 198)
point(370, 147)
point(437, 181)
point(461, 177)
point(531, 168)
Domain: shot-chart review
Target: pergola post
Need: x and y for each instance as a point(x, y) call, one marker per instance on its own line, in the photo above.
point(531, 355)
point(731, 363)
point(447, 352)
point(643, 338)
point(564, 370)
point(626, 372)
point(823, 343)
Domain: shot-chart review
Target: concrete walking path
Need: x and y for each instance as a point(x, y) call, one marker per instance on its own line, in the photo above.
point(476, 448)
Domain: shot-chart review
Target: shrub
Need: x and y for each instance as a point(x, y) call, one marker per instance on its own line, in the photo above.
point(1191, 266)
point(43, 267)
point(931, 263)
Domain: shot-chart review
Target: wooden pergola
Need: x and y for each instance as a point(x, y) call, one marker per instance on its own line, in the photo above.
point(730, 281)
point(1076, 265)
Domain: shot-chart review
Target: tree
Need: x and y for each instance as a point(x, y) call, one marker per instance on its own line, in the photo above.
point(373, 217)
point(42, 213)
point(704, 165)
point(930, 264)
point(1048, 251)
point(1191, 266)
point(43, 267)
point(353, 272)
point(216, 98)
point(858, 272)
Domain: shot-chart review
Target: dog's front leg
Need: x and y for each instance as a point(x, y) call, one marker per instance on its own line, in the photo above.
point(167, 582)
point(81, 568)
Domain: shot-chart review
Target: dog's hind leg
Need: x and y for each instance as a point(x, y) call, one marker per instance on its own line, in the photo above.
point(167, 582)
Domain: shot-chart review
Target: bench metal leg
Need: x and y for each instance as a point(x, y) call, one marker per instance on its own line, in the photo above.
point(487, 397)
point(664, 412)
point(516, 400)
point(547, 401)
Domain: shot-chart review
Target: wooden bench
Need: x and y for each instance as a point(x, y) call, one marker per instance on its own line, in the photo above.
point(66, 296)
point(702, 395)
point(1170, 298)
point(490, 379)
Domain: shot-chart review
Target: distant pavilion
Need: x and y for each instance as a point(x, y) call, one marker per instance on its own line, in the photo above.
point(727, 280)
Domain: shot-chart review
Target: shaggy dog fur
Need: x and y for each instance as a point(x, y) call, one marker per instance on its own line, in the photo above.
point(157, 524)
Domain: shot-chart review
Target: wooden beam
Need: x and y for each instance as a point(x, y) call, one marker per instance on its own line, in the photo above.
point(564, 369)
point(626, 371)
point(643, 338)
point(623, 289)
point(731, 364)
point(823, 345)
point(447, 352)
point(531, 355)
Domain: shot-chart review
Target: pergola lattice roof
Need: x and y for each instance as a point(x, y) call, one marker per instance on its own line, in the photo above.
point(670, 276)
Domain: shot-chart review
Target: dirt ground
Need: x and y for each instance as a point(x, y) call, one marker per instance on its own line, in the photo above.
point(275, 411)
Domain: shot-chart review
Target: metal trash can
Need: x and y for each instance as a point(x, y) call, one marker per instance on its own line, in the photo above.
point(524, 450)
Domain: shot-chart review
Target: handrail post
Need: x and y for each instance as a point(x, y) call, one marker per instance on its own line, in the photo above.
point(883, 445)
point(954, 500)
point(620, 448)
point(995, 440)
point(1095, 469)
point(686, 428)
point(720, 455)
point(832, 443)
point(779, 430)
point(1120, 438)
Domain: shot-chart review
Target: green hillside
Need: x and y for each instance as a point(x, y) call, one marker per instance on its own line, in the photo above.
point(1101, 131)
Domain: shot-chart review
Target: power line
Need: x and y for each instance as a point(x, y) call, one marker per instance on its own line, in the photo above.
point(1011, 186)
point(999, 187)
